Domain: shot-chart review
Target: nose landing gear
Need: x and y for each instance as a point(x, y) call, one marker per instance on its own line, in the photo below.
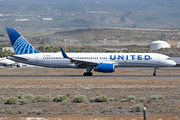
point(154, 74)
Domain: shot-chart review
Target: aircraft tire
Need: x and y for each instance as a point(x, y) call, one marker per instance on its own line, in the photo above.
point(154, 74)
point(87, 74)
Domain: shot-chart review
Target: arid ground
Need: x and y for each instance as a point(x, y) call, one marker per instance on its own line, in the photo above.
point(165, 107)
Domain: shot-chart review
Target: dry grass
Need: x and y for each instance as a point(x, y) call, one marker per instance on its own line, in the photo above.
point(92, 117)
point(92, 85)
point(89, 83)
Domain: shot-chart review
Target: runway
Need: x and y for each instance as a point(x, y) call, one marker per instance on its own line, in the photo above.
point(94, 76)
point(128, 72)
point(125, 93)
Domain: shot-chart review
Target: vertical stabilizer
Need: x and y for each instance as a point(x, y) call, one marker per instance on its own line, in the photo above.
point(19, 43)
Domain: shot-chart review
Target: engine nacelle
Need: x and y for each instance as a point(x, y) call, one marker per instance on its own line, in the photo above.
point(105, 68)
point(18, 65)
point(5, 65)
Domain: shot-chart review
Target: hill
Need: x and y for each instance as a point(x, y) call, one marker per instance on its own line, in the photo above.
point(71, 14)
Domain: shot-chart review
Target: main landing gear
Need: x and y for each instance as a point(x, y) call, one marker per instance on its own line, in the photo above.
point(88, 71)
point(88, 74)
point(154, 74)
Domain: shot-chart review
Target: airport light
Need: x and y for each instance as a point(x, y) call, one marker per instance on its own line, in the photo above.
point(144, 113)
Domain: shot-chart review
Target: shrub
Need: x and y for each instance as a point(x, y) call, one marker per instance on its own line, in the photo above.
point(7, 110)
point(131, 97)
point(142, 99)
point(38, 112)
point(37, 98)
point(111, 99)
point(110, 109)
point(154, 97)
point(41, 98)
point(29, 111)
point(101, 98)
point(1, 97)
point(64, 102)
point(137, 108)
point(92, 99)
point(124, 100)
point(132, 101)
point(121, 107)
point(12, 100)
point(65, 110)
point(21, 93)
point(160, 97)
point(25, 101)
point(4, 99)
point(47, 98)
point(28, 97)
point(115, 99)
point(60, 98)
point(79, 98)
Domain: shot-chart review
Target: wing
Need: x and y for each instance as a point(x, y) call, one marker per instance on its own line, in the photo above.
point(80, 62)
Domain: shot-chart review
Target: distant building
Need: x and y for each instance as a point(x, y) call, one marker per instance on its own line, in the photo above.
point(41, 42)
point(178, 45)
point(7, 48)
point(158, 45)
point(47, 19)
point(99, 12)
point(20, 20)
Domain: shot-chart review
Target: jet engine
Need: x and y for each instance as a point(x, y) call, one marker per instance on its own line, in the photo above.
point(18, 65)
point(105, 68)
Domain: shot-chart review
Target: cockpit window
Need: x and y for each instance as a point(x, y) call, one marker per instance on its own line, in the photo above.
point(168, 58)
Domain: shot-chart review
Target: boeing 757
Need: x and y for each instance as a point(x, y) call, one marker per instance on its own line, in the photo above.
point(100, 62)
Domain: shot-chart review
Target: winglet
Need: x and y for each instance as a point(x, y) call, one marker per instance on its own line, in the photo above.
point(73, 51)
point(63, 53)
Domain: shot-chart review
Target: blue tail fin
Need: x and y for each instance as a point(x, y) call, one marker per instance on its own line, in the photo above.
point(19, 43)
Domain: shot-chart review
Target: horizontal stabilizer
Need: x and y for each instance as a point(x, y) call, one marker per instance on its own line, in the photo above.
point(16, 57)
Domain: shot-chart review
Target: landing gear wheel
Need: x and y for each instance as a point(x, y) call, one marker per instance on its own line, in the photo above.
point(87, 74)
point(154, 74)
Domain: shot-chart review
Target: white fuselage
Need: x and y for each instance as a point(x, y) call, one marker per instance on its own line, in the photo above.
point(56, 60)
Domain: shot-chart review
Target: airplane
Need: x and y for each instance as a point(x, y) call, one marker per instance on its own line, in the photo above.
point(6, 62)
point(100, 62)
